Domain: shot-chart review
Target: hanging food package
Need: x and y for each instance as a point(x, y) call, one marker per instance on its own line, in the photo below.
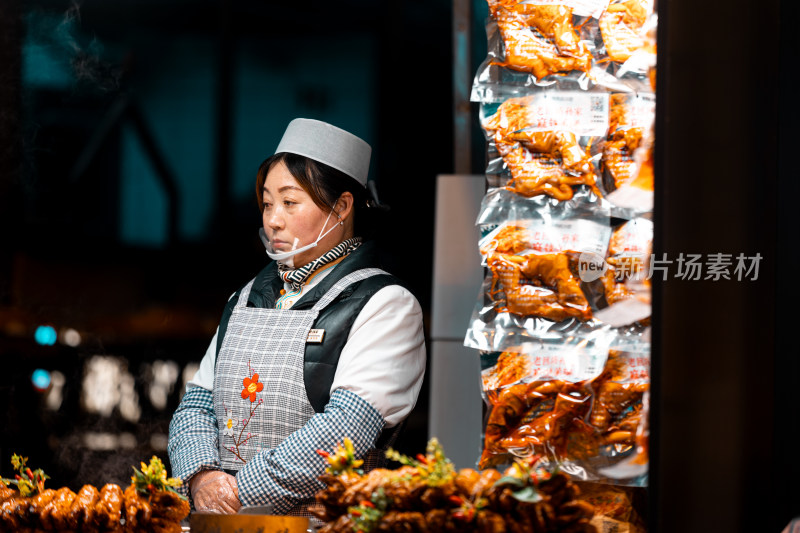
point(539, 44)
point(627, 276)
point(549, 277)
point(626, 161)
point(543, 143)
point(539, 39)
point(630, 116)
point(624, 27)
point(565, 45)
point(537, 399)
point(579, 405)
point(536, 267)
point(617, 508)
point(628, 157)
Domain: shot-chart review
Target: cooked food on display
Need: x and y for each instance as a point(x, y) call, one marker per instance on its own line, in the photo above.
point(149, 504)
point(554, 22)
point(544, 285)
point(629, 249)
point(540, 162)
point(617, 158)
point(540, 285)
point(621, 28)
point(540, 40)
point(560, 419)
point(623, 139)
point(644, 178)
point(426, 494)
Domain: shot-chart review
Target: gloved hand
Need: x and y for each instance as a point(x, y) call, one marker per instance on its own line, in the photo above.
point(214, 491)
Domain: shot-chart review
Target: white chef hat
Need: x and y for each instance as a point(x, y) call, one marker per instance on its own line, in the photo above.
point(328, 144)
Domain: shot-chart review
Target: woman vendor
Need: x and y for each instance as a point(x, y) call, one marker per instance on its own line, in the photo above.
point(319, 346)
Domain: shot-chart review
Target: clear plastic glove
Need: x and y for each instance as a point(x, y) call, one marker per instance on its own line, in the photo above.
point(214, 491)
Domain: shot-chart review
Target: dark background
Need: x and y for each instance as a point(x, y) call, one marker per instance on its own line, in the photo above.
point(726, 418)
point(130, 132)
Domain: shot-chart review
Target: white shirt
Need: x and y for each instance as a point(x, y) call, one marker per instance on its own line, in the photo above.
point(383, 360)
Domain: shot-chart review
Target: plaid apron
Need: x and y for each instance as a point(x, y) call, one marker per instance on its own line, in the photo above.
point(259, 393)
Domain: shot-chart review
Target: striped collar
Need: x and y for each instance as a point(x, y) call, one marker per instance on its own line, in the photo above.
point(299, 276)
point(290, 295)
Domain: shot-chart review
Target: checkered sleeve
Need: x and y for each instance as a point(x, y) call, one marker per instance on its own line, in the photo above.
point(286, 476)
point(193, 436)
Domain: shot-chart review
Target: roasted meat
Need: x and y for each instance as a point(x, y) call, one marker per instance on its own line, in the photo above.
point(468, 501)
point(540, 162)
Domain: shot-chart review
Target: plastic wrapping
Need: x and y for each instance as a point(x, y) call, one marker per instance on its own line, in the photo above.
point(617, 508)
point(629, 252)
point(626, 160)
point(562, 318)
point(630, 116)
point(634, 194)
point(629, 248)
point(624, 27)
point(559, 143)
point(578, 404)
point(539, 39)
point(542, 144)
point(557, 270)
point(582, 44)
point(501, 204)
point(540, 282)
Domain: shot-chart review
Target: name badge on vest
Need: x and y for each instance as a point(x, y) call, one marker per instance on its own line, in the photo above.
point(315, 336)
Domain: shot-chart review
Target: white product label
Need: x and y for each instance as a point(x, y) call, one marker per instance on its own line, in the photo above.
point(641, 110)
point(584, 114)
point(634, 238)
point(548, 362)
point(637, 368)
point(539, 236)
point(583, 235)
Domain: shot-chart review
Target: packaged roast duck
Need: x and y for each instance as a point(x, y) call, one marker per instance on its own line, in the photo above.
point(578, 410)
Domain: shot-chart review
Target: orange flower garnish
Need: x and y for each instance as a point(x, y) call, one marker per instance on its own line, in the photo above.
point(251, 387)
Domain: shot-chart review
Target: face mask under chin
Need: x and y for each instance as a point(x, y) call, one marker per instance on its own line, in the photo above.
point(287, 258)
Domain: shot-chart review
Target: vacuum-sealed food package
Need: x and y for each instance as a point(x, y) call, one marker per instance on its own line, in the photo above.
point(541, 144)
point(626, 162)
point(628, 260)
point(539, 39)
point(630, 115)
point(617, 508)
point(568, 44)
point(579, 405)
point(546, 275)
point(536, 265)
point(546, 278)
point(628, 157)
point(623, 28)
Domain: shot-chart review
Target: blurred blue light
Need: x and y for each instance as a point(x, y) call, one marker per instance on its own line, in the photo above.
point(40, 379)
point(45, 335)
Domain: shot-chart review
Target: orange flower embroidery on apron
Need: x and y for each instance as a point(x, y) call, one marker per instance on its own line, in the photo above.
point(250, 390)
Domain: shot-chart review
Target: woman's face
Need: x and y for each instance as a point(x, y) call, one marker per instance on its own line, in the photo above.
point(290, 213)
